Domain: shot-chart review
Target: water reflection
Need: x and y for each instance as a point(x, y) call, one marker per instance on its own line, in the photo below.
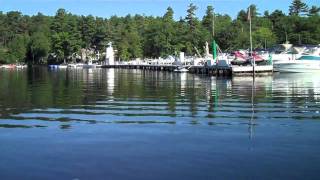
point(110, 81)
point(306, 85)
point(183, 83)
point(114, 95)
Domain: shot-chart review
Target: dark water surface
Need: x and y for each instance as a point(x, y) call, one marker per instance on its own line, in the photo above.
point(131, 124)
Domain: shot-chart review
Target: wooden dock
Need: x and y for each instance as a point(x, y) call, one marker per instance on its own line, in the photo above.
point(207, 70)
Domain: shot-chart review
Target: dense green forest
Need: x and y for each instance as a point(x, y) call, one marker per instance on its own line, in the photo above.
point(41, 39)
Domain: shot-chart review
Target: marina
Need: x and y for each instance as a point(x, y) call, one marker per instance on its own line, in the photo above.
point(285, 58)
point(159, 90)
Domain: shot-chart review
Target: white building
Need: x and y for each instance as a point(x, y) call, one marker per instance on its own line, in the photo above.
point(109, 54)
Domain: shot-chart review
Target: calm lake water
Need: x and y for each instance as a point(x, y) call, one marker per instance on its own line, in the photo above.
point(132, 124)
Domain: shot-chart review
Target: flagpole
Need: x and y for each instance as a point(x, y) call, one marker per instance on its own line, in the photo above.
point(251, 55)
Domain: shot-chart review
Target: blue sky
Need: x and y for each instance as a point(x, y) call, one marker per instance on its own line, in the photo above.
point(107, 8)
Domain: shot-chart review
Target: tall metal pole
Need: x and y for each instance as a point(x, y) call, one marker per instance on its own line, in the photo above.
point(251, 55)
point(286, 36)
point(253, 80)
point(214, 45)
point(251, 123)
point(213, 23)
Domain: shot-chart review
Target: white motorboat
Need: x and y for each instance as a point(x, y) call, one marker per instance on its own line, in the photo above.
point(285, 56)
point(298, 66)
point(62, 66)
point(21, 66)
point(286, 52)
point(181, 69)
point(309, 62)
point(8, 66)
point(79, 65)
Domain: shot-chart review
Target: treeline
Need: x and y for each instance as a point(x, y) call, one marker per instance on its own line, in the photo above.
point(41, 39)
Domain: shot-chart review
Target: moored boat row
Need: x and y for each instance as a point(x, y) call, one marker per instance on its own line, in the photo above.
point(74, 66)
point(13, 66)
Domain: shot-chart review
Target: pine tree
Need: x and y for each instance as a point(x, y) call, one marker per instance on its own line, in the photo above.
point(168, 16)
point(191, 19)
point(192, 34)
point(207, 20)
point(168, 33)
point(314, 11)
point(298, 7)
point(87, 29)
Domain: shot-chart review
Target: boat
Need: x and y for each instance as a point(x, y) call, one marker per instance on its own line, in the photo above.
point(240, 58)
point(62, 66)
point(286, 52)
point(21, 66)
point(181, 69)
point(9, 66)
point(309, 62)
point(312, 53)
point(98, 66)
point(79, 65)
point(243, 57)
point(53, 66)
point(72, 65)
point(298, 66)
